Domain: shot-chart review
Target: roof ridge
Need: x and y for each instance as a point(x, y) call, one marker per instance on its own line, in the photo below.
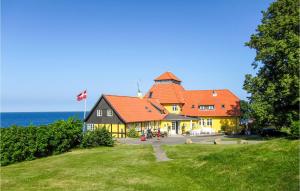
point(180, 99)
point(209, 90)
point(167, 76)
point(121, 96)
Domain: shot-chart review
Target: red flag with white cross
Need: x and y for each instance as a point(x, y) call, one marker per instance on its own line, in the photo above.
point(82, 95)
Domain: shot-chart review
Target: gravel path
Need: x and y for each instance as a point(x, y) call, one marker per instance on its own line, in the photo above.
point(181, 140)
point(159, 153)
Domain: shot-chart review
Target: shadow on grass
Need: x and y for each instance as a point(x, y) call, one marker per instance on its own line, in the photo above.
point(246, 137)
point(256, 137)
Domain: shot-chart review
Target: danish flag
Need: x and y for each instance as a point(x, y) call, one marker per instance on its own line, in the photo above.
point(82, 95)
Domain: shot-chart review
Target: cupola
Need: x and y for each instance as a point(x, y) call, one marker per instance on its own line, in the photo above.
point(167, 77)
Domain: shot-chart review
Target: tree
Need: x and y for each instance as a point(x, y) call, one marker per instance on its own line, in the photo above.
point(274, 91)
point(245, 110)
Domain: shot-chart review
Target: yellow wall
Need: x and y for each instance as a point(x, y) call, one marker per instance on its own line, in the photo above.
point(218, 122)
point(169, 107)
point(112, 128)
point(164, 125)
point(142, 126)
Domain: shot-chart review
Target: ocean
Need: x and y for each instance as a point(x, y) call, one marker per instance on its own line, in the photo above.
point(35, 118)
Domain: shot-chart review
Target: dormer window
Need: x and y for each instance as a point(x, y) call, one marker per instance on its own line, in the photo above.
point(193, 106)
point(211, 107)
point(223, 106)
point(174, 108)
point(150, 94)
point(202, 107)
point(206, 107)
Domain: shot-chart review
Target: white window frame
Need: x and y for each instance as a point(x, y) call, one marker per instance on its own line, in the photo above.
point(174, 108)
point(203, 122)
point(209, 122)
point(109, 112)
point(202, 107)
point(211, 107)
point(173, 126)
point(99, 112)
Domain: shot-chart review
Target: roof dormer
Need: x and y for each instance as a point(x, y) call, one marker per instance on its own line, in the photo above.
point(167, 77)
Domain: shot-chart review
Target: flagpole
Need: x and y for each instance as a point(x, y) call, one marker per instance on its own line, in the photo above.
point(84, 127)
point(84, 108)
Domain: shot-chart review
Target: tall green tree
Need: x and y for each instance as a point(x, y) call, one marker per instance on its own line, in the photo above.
point(274, 90)
point(245, 110)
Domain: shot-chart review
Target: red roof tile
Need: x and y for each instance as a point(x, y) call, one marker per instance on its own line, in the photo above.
point(166, 93)
point(134, 109)
point(194, 98)
point(150, 108)
point(157, 104)
point(167, 76)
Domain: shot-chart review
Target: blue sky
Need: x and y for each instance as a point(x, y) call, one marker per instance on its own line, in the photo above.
point(53, 49)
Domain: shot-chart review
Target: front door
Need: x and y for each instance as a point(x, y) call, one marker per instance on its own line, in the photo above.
point(174, 128)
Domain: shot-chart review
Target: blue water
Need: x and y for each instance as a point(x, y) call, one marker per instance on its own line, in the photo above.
point(35, 118)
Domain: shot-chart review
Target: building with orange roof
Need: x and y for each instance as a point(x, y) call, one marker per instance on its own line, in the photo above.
point(168, 106)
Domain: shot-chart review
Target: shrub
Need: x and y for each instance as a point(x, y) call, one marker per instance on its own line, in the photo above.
point(132, 133)
point(229, 130)
point(98, 137)
point(295, 129)
point(27, 143)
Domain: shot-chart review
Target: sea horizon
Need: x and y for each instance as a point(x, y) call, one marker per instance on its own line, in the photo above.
point(36, 118)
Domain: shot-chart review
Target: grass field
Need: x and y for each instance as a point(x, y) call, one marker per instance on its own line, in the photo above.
point(273, 165)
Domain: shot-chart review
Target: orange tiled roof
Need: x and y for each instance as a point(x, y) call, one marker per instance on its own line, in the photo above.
point(166, 93)
point(194, 98)
point(157, 104)
point(167, 76)
point(134, 109)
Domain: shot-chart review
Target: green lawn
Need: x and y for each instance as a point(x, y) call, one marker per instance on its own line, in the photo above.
point(267, 166)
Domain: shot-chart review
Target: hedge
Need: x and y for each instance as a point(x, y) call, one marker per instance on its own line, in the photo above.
point(27, 143)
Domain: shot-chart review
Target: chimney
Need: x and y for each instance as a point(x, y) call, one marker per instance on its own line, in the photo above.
point(214, 93)
point(140, 95)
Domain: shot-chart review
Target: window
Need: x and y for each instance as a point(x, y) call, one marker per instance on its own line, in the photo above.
point(150, 94)
point(99, 112)
point(174, 108)
point(193, 106)
point(206, 107)
point(209, 122)
point(201, 107)
point(90, 127)
point(223, 106)
point(109, 112)
point(203, 122)
point(173, 125)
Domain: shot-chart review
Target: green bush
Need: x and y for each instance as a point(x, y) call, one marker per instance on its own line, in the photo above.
point(98, 137)
point(295, 129)
point(132, 133)
point(27, 143)
point(229, 130)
